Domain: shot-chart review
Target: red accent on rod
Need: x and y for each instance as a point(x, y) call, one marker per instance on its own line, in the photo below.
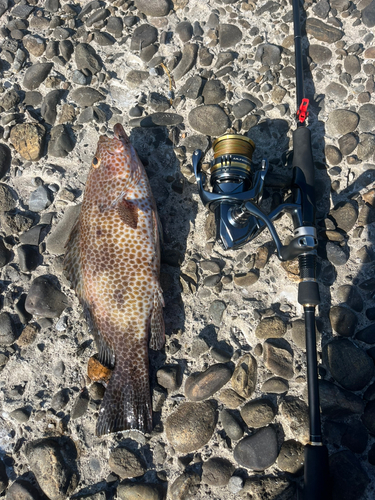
point(302, 113)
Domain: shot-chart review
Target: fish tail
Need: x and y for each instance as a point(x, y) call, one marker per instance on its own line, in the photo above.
point(127, 401)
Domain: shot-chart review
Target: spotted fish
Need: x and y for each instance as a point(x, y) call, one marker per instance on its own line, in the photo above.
point(113, 262)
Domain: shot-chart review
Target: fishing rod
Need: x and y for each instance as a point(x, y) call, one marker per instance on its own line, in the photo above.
point(235, 196)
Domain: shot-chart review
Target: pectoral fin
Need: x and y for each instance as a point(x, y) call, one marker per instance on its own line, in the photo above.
point(128, 213)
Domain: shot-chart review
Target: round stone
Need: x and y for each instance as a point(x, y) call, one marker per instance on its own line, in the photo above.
point(156, 8)
point(202, 385)
point(184, 30)
point(36, 74)
point(291, 457)
point(348, 143)
point(244, 377)
point(258, 451)
point(231, 425)
point(217, 471)
point(350, 366)
point(43, 299)
point(343, 320)
point(270, 328)
point(278, 358)
point(137, 491)
point(275, 385)
point(367, 118)
point(8, 331)
point(191, 426)
point(229, 35)
point(335, 90)
point(209, 120)
point(125, 463)
point(352, 65)
point(320, 54)
point(213, 92)
point(349, 295)
point(341, 122)
point(336, 254)
point(333, 155)
point(258, 413)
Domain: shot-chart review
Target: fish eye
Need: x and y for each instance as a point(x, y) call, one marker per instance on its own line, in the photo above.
point(95, 162)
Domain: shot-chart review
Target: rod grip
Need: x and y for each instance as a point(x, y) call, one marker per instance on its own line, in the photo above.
point(302, 154)
point(317, 484)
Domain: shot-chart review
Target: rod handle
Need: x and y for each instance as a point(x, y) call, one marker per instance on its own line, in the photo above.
point(302, 154)
point(317, 484)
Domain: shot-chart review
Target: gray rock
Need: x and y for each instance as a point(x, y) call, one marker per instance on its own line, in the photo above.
point(349, 479)
point(352, 65)
point(158, 102)
point(5, 254)
point(36, 74)
point(229, 35)
point(8, 330)
point(104, 39)
point(323, 32)
point(55, 243)
point(296, 414)
point(343, 320)
point(216, 311)
point(52, 460)
point(40, 199)
point(22, 11)
point(52, 5)
point(217, 471)
point(366, 335)
point(92, 113)
point(97, 16)
point(366, 147)
point(321, 9)
point(202, 385)
point(169, 377)
point(258, 451)
point(349, 295)
point(278, 358)
point(213, 21)
point(66, 49)
point(29, 257)
point(341, 122)
point(348, 143)
point(213, 92)
point(268, 54)
point(125, 463)
point(156, 8)
point(320, 54)
point(52, 49)
point(44, 299)
point(157, 120)
point(224, 58)
point(86, 96)
point(191, 426)
point(204, 56)
point(335, 90)
point(135, 78)
point(231, 426)
point(22, 490)
point(143, 35)
point(338, 403)
point(33, 98)
point(60, 144)
point(184, 30)
point(188, 59)
point(9, 100)
point(258, 413)
point(4, 6)
point(333, 155)
point(298, 333)
point(60, 400)
point(350, 366)
point(243, 108)
point(185, 486)
point(80, 405)
point(336, 254)
point(270, 328)
point(367, 118)
point(209, 120)
point(192, 88)
point(291, 457)
point(275, 385)
point(368, 15)
point(21, 415)
point(86, 58)
point(7, 199)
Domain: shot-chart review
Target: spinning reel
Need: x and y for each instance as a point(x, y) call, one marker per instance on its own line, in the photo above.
point(237, 192)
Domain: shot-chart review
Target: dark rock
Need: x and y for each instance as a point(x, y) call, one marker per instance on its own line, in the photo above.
point(60, 144)
point(328, 275)
point(169, 377)
point(60, 400)
point(52, 460)
point(335, 90)
point(224, 58)
point(291, 457)
point(125, 463)
point(22, 490)
point(48, 109)
point(29, 257)
point(323, 32)
point(115, 26)
point(269, 6)
point(367, 335)
point(185, 486)
point(351, 367)
point(217, 471)
point(338, 403)
point(56, 241)
point(80, 405)
point(8, 330)
point(231, 426)
point(368, 15)
point(242, 108)
point(158, 102)
point(188, 59)
point(157, 120)
point(258, 451)
point(336, 254)
point(209, 120)
point(229, 35)
point(348, 143)
point(213, 92)
point(258, 413)
point(156, 8)
point(143, 36)
point(352, 65)
point(86, 58)
point(86, 96)
point(321, 9)
point(191, 143)
point(202, 385)
point(7, 199)
point(270, 328)
point(350, 295)
point(268, 54)
point(366, 147)
point(343, 320)
point(278, 358)
point(136, 77)
point(43, 299)
point(320, 54)
point(22, 11)
point(204, 56)
point(36, 74)
point(97, 16)
point(349, 480)
point(367, 117)
point(104, 39)
point(355, 437)
point(275, 385)
point(33, 98)
point(191, 426)
point(333, 155)
point(5, 254)
point(184, 30)
point(3, 474)
point(66, 49)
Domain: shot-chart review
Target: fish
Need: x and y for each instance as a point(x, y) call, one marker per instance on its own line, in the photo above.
point(112, 260)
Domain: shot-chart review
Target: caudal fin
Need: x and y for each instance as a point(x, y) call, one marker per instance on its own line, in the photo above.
point(127, 401)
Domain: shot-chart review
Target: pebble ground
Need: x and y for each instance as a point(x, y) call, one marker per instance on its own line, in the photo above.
point(229, 390)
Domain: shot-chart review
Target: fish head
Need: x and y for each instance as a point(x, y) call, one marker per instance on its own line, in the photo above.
point(115, 156)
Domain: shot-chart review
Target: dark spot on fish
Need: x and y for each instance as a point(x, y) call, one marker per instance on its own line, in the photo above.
point(99, 232)
point(119, 297)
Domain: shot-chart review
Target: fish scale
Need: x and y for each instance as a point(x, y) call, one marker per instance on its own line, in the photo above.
point(113, 263)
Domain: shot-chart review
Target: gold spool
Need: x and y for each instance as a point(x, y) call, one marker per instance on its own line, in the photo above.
point(230, 146)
